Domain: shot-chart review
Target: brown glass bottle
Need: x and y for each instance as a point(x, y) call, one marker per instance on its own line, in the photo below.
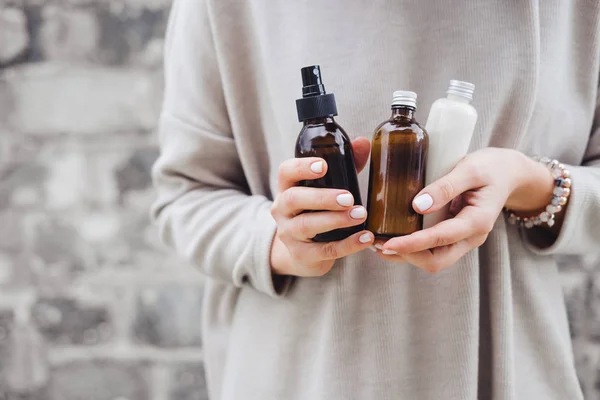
point(397, 173)
point(326, 139)
point(322, 137)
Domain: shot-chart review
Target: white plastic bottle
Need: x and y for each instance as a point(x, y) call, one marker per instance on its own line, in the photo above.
point(450, 125)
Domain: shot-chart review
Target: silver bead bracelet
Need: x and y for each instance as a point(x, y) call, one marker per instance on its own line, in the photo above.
point(560, 196)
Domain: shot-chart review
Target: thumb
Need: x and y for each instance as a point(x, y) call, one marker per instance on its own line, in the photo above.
point(439, 193)
point(361, 148)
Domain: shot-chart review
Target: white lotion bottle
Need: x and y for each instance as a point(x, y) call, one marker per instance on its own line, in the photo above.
point(450, 125)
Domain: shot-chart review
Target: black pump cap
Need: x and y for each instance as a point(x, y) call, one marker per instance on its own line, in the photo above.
point(315, 102)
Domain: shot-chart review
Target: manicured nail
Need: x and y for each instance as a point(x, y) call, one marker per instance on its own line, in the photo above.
point(379, 246)
point(358, 213)
point(373, 249)
point(345, 199)
point(390, 252)
point(317, 167)
point(423, 202)
point(365, 238)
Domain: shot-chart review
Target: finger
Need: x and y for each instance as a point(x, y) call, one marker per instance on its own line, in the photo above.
point(442, 234)
point(378, 244)
point(469, 222)
point(299, 198)
point(437, 260)
point(398, 258)
point(441, 258)
point(439, 193)
point(362, 148)
point(312, 253)
point(308, 225)
point(295, 170)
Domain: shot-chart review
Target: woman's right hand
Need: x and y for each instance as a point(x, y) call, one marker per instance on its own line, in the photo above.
point(293, 252)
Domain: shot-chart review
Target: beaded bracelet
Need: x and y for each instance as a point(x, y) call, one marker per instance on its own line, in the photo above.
point(560, 196)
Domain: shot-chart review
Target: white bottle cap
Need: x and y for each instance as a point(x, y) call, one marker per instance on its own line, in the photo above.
point(462, 89)
point(404, 98)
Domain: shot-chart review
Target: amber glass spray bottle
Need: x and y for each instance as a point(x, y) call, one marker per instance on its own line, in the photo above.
point(397, 173)
point(322, 137)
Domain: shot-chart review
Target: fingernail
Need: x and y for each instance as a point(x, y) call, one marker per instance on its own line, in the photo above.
point(317, 167)
point(345, 199)
point(365, 238)
point(378, 246)
point(358, 213)
point(423, 202)
point(390, 252)
point(372, 248)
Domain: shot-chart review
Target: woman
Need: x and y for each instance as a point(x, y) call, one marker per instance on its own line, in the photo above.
point(286, 318)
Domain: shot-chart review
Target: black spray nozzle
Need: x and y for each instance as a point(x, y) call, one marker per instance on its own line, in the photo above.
point(315, 102)
point(312, 84)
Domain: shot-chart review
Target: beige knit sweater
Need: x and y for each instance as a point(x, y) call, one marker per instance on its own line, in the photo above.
point(491, 327)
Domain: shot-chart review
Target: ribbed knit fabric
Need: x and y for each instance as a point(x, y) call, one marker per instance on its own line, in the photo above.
point(491, 327)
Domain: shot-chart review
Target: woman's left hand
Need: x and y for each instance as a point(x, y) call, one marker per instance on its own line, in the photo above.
point(479, 186)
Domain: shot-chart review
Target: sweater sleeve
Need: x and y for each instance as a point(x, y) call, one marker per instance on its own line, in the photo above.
point(204, 209)
point(580, 231)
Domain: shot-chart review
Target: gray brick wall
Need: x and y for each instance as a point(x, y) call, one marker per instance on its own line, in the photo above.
point(91, 305)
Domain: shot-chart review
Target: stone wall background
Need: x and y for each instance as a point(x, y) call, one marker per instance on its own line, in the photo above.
point(91, 305)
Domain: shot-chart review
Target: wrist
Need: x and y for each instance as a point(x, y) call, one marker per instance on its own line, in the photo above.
point(534, 185)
